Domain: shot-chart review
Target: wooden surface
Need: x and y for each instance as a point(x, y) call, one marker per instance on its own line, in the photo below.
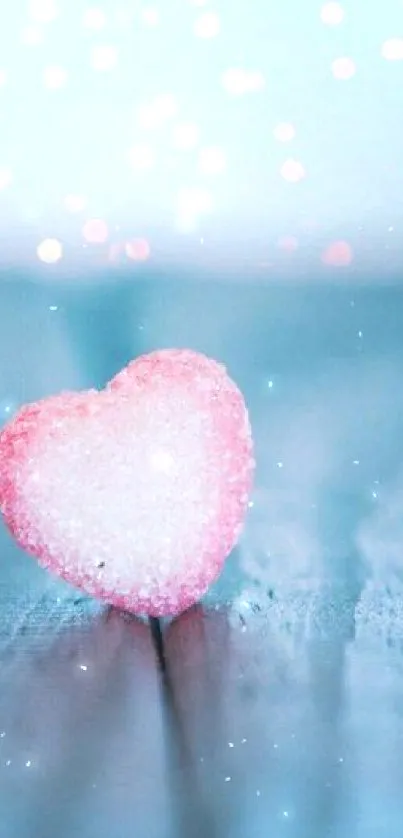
point(259, 726)
point(280, 713)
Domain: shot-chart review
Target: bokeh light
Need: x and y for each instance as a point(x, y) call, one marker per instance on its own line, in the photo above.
point(288, 243)
point(50, 251)
point(166, 106)
point(94, 18)
point(141, 157)
point(338, 254)
point(8, 406)
point(32, 36)
point(212, 160)
point(185, 135)
point(284, 132)
point(194, 201)
point(332, 14)
point(152, 115)
point(95, 231)
point(392, 49)
point(207, 25)
point(343, 68)
point(75, 203)
point(138, 250)
point(292, 171)
point(6, 177)
point(147, 117)
point(43, 11)
point(103, 57)
point(255, 81)
point(54, 77)
point(192, 204)
point(150, 16)
point(235, 81)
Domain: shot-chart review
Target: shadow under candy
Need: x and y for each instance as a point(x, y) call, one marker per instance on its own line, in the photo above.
point(86, 715)
point(240, 735)
point(263, 716)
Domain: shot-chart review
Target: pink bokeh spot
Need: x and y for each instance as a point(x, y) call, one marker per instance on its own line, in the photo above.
point(338, 254)
point(95, 231)
point(75, 203)
point(138, 250)
point(343, 68)
point(288, 243)
point(292, 171)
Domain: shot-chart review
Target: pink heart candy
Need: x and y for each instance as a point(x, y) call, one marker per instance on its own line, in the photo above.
point(136, 494)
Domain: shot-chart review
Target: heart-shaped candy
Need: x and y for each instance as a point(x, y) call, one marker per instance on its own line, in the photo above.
point(137, 493)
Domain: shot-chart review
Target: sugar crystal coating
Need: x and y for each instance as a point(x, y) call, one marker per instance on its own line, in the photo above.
point(136, 493)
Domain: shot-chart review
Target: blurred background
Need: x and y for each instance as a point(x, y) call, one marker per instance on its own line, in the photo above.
point(224, 177)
